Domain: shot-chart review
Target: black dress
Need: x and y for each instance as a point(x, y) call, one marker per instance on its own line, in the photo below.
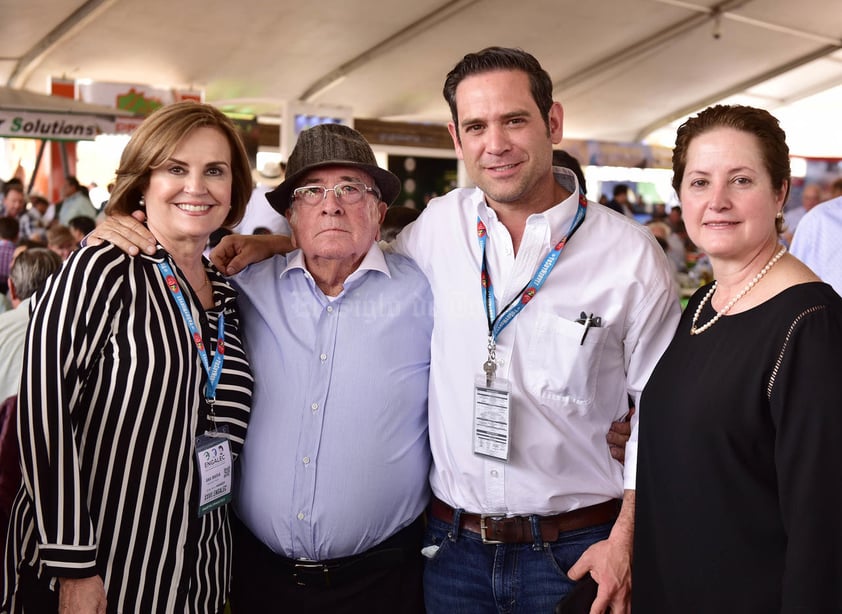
point(739, 479)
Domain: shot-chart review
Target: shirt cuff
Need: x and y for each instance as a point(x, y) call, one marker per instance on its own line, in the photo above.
point(63, 561)
point(630, 466)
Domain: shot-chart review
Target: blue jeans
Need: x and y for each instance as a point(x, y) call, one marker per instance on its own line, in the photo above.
point(466, 576)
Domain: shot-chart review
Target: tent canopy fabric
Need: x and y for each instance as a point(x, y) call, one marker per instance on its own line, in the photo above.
point(625, 70)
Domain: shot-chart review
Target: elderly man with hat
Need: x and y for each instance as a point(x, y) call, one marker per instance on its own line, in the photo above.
point(332, 480)
point(333, 474)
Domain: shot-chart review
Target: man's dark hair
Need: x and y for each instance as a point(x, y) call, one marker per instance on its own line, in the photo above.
point(13, 183)
point(14, 187)
point(564, 159)
point(82, 223)
point(621, 189)
point(9, 228)
point(501, 58)
point(38, 198)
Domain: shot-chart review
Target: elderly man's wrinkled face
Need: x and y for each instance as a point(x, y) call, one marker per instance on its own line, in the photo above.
point(14, 202)
point(332, 228)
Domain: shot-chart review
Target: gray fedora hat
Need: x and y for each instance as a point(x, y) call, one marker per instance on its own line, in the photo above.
point(331, 145)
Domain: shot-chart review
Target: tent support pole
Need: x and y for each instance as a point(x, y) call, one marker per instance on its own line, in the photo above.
point(38, 157)
point(62, 147)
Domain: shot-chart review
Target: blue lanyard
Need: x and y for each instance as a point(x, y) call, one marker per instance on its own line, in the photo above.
point(214, 369)
point(497, 322)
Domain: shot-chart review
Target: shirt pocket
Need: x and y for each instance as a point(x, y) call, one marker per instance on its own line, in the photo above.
point(559, 365)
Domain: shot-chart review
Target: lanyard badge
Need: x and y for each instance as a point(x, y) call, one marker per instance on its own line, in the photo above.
point(213, 450)
point(214, 368)
point(492, 394)
point(214, 458)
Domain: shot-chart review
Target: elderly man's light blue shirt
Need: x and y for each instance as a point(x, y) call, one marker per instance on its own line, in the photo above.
point(336, 458)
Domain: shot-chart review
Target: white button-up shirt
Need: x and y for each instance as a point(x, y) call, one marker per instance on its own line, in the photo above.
point(565, 392)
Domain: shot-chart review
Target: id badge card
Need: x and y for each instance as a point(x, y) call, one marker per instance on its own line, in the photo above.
point(492, 397)
point(213, 454)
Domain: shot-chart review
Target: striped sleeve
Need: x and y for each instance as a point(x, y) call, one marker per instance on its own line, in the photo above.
point(69, 326)
point(112, 400)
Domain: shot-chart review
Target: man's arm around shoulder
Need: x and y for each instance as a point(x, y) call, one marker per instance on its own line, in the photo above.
point(233, 254)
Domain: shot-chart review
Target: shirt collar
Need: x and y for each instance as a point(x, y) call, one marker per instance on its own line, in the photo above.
point(374, 260)
point(557, 217)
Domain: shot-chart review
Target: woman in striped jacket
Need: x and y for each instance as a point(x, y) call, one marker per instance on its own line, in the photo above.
point(135, 394)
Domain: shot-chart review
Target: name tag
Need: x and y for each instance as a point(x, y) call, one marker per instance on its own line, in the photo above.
point(492, 397)
point(213, 454)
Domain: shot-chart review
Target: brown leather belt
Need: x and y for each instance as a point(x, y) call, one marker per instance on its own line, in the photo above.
point(518, 529)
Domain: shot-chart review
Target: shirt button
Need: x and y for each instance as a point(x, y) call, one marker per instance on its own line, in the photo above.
point(301, 515)
point(493, 473)
point(330, 308)
point(306, 460)
point(314, 406)
point(323, 357)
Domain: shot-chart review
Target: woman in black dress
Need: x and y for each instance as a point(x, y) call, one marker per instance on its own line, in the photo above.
point(739, 483)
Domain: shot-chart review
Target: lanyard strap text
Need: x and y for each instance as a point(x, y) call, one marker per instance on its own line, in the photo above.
point(214, 368)
point(497, 322)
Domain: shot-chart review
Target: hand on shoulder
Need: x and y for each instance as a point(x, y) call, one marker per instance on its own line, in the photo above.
point(126, 232)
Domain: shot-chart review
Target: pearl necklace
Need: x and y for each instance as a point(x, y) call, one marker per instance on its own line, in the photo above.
point(733, 301)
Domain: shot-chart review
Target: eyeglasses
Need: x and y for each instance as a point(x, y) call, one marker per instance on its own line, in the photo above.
point(347, 193)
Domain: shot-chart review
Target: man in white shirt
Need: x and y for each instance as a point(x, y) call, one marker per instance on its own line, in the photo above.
point(818, 242)
point(532, 473)
point(259, 213)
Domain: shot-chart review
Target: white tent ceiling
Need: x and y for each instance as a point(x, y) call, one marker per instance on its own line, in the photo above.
point(624, 70)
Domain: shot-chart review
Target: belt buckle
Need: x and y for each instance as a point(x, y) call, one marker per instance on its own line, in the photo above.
point(483, 528)
point(311, 566)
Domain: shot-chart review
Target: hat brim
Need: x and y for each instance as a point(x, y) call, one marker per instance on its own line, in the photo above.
point(387, 182)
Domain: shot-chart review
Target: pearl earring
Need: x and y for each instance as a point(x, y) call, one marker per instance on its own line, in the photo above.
point(142, 202)
point(779, 215)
